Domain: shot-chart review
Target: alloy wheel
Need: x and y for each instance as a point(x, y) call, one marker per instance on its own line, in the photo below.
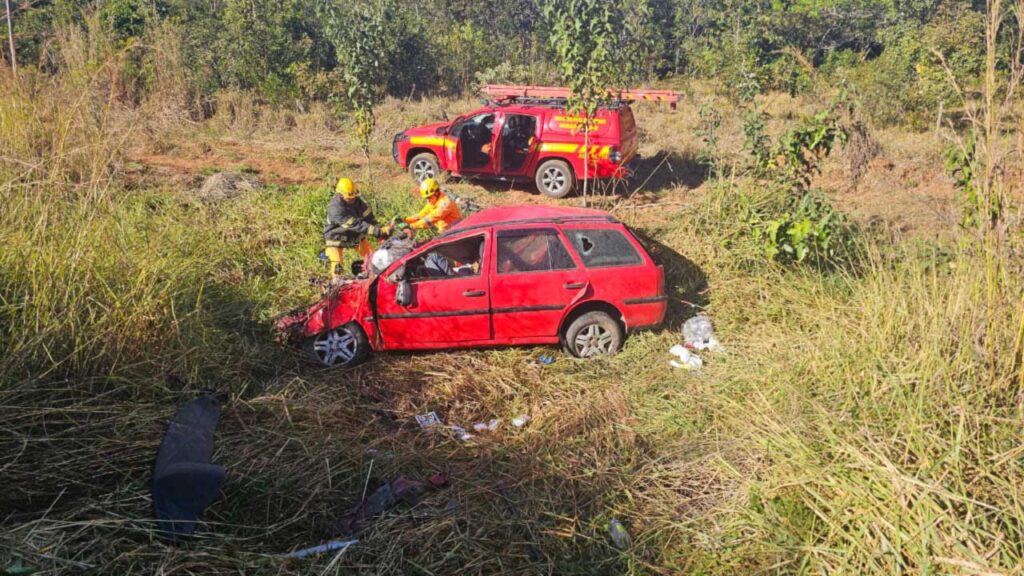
point(593, 340)
point(336, 346)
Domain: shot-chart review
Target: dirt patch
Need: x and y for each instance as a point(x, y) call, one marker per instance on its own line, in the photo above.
point(916, 198)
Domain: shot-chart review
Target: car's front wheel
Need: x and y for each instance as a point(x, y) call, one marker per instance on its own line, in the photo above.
point(344, 346)
point(593, 334)
point(555, 179)
point(424, 165)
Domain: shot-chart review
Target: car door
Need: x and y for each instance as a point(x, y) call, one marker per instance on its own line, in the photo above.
point(449, 296)
point(516, 143)
point(474, 140)
point(535, 278)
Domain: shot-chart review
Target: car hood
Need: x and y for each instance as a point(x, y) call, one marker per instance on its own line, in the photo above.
point(427, 129)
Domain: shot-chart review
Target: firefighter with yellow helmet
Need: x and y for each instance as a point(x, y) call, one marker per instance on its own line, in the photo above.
point(440, 211)
point(349, 222)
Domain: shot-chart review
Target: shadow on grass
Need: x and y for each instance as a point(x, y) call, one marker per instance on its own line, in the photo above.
point(685, 282)
point(666, 170)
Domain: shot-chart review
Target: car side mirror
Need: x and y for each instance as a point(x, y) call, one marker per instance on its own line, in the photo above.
point(403, 295)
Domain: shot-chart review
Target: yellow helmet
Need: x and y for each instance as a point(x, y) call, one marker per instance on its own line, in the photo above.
point(347, 189)
point(429, 187)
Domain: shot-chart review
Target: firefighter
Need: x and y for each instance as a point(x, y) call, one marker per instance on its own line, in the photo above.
point(440, 212)
point(349, 222)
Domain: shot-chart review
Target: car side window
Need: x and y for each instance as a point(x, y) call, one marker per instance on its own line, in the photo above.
point(458, 259)
point(603, 247)
point(534, 250)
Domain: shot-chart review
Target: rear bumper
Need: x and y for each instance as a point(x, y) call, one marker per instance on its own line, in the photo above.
point(645, 312)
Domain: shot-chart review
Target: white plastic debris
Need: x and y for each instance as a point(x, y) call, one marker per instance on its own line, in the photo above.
point(520, 421)
point(687, 360)
point(427, 420)
point(700, 335)
point(461, 433)
point(487, 426)
point(325, 547)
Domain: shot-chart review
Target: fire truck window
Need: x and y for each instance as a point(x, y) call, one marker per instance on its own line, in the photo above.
point(532, 251)
point(516, 137)
point(601, 248)
point(449, 260)
point(475, 138)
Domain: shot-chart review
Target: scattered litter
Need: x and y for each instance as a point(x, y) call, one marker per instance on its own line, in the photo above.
point(19, 569)
point(699, 334)
point(325, 547)
point(687, 360)
point(487, 426)
point(461, 433)
point(542, 360)
point(184, 481)
point(620, 536)
point(400, 489)
point(427, 420)
point(520, 421)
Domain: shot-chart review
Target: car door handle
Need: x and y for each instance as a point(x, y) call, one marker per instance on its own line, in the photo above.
point(474, 293)
point(574, 285)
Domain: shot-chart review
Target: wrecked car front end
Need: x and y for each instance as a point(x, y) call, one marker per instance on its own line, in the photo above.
point(341, 304)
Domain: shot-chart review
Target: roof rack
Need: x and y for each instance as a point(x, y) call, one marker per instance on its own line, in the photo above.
point(557, 94)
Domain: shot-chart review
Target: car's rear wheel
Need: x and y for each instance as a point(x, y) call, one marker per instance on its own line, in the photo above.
point(555, 179)
point(424, 165)
point(344, 346)
point(593, 334)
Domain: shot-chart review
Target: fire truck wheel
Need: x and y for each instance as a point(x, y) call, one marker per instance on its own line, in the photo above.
point(555, 179)
point(423, 166)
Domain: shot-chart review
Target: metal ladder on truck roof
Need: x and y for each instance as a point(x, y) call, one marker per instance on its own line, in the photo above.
point(503, 92)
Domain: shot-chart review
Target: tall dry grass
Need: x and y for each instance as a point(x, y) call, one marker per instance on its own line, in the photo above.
point(865, 421)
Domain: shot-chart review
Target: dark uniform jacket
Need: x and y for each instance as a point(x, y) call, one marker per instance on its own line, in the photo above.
point(348, 223)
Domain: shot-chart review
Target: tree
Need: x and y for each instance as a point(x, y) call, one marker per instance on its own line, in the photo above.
point(10, 39)
point(359, 37)
point(583, 37)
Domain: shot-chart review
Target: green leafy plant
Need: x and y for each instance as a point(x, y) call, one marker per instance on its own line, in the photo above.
point(359, 38)
point(802, 226)
point(583, 38)
point(962, 164)
point(710, 123)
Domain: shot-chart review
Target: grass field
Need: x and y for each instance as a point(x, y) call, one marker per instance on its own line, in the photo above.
point(865, 420)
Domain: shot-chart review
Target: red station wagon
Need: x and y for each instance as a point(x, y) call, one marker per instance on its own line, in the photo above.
point(526, 133)
point(503, 276)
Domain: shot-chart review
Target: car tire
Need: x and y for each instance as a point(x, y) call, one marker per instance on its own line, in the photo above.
point(593, 334)
point(341, 347)
point(424, 165)
point(555, 179)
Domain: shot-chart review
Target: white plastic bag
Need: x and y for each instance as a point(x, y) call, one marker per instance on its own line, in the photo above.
point(700, 335)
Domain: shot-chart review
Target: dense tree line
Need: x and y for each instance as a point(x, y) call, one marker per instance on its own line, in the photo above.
point(896, 50)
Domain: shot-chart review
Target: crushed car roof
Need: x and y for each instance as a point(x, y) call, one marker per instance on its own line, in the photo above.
point(527, 214)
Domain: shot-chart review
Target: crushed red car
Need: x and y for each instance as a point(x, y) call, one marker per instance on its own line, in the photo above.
point(526, 133)
point(504, 276)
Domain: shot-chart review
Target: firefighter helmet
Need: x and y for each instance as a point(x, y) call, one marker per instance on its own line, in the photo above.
point(429, 187)
point(347, 189)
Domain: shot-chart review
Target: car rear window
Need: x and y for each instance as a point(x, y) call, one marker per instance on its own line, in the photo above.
point(536, 250)
point(603, 247)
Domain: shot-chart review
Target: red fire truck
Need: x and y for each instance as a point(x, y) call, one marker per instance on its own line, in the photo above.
point(526, 132)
